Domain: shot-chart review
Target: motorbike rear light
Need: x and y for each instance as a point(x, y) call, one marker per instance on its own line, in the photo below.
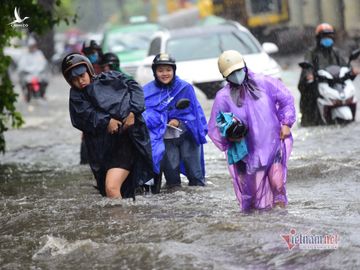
point(35, 84)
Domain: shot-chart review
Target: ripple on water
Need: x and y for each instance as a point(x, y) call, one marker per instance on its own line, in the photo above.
point(51, 246)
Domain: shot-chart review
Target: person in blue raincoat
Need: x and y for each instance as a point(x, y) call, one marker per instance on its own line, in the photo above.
point(177, 135)
point(108, 109)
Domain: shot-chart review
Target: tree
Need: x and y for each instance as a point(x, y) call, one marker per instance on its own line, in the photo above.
point(41, 20)
point(46, 41)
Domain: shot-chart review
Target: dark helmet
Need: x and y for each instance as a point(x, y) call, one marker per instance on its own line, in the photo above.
point(73, 60)
point(110, 59)
point(324, 29)
point(163, 59)
point(89, 46)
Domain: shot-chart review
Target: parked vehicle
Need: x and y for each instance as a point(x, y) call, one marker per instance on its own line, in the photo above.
point(197, 49)
point(129, 43)
point(337, 101)
point(261, 16)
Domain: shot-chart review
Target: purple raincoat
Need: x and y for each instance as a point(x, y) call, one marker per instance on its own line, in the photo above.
point(264, 104)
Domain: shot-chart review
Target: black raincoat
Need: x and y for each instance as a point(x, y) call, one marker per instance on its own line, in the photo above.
point(112, 95)
point(320, 58)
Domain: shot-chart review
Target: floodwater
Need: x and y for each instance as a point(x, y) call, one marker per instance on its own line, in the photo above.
point(52, 218)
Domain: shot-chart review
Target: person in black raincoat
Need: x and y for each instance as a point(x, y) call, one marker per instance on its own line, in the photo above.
point(95, 55)
point(108, 109)
point(321, 56)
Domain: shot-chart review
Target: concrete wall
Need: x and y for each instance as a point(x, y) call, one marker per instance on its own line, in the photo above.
point(332, 13)
point(296, 13)
point(312, 12)
point(342, 14)
point(352, 17)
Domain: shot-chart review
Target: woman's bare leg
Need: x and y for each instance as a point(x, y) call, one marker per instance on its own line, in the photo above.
point(115, 177)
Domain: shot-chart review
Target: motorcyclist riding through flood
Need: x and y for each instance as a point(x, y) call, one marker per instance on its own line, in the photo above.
point(323, 55)
point(32, 70)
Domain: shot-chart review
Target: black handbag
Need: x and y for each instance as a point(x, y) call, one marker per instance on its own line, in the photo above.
point(236, 130)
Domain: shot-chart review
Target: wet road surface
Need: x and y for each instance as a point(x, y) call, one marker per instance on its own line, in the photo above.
point(52, 218)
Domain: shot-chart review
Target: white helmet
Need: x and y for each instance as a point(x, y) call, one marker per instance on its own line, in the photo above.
point(230, 61)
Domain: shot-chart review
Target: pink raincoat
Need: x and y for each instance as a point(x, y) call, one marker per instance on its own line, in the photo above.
point(264, 104)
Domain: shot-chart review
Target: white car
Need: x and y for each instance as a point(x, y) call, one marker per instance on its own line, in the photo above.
point(196, 51)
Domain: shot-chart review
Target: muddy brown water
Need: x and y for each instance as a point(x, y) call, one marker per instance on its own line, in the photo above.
point(52, 218)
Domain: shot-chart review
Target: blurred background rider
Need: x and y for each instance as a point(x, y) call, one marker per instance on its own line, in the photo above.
point(94, 53)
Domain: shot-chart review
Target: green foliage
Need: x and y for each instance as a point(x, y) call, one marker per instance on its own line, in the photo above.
point(40, 20)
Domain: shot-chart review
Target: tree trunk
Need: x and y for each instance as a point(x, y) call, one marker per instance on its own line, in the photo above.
point(46, 41)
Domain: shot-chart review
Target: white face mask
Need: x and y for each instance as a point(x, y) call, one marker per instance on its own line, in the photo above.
point(237, 77)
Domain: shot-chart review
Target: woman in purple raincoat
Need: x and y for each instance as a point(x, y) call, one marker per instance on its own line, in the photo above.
point(266, 107)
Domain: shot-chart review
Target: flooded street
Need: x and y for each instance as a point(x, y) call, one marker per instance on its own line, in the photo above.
point(51, 217)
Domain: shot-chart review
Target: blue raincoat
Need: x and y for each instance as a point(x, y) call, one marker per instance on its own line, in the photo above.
point(160, 108)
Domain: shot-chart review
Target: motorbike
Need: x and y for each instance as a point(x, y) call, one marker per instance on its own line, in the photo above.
point(33, 85)
point(337, 101)
point(33, 74)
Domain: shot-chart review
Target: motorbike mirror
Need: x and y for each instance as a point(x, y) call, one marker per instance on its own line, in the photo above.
point(182, 103)
point(306, 65)
point(354, 54)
